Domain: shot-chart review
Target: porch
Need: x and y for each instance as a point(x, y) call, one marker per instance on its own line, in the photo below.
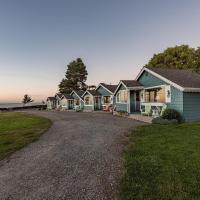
point(151, 101)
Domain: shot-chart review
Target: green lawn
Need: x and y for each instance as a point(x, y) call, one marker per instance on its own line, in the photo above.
point(162, 162)
point(18, 130)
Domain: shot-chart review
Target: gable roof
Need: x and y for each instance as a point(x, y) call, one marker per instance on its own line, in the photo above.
point(59, 95)
point(67, 96)
point(91, 92)
point(129, 84)
point(79, 93)
point(51, 98)
point(185, 80)
point(109, 87)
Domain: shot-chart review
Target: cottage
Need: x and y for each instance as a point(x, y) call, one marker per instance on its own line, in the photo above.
point(67, 102)
point(58, 100)
point(78, 100)
point(156, 89)
point(51, 103)
point(92, 100)
point(106, 91)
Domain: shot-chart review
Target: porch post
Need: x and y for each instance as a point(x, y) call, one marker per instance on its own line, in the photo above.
point(128, 105)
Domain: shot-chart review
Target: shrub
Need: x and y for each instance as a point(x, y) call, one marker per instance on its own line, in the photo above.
point(160, 120)
point(122, 112)
point(171, 114)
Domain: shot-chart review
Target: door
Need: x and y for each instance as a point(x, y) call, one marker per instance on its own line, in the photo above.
point(70, 104)
point(137, 101)
point(97, 103)
point(132, 101)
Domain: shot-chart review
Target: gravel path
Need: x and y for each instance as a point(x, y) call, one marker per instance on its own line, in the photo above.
point(79, 158)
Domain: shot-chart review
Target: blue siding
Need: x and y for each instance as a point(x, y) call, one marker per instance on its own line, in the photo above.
point(81, 102)
point(191, 106)
point(149, 80)
point(88, 108)
point(121, 107)
point(176, 100)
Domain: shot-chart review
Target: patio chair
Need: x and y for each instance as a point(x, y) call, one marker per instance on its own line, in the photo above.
point(146, 110)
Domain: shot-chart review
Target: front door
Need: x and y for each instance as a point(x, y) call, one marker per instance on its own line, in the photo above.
point(97, 103)
point(132, 101)
point(137, 101)
point(70, 104)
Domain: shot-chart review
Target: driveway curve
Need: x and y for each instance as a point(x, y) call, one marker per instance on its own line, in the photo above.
point(78, 158)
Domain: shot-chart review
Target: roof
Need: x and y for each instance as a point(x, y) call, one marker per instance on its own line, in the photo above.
point(79, 92)
point(51, 98)
point(109, 87)
point(131, 83)
point(92, 92)
point(59, 95)
point(185, 78)
point(68, 96)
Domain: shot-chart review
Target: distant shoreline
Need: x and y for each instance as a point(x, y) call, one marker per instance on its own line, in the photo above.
point(15, 106)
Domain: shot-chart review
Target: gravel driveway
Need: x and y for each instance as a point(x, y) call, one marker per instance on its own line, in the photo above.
point(79, 157)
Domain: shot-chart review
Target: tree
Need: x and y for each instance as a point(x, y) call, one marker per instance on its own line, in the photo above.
point(180, 57)
point(75, 77)
point(26, 99)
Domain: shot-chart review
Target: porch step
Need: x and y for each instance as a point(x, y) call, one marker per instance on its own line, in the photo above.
point(142, 118)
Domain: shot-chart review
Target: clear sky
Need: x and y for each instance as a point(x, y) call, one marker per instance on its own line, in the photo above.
point(115, 38)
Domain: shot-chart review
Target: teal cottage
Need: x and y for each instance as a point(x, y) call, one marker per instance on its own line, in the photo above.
point(156, 89)
point(107, 95)
point(78, 100)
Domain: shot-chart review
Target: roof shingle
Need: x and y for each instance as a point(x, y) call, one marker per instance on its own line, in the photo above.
point(131, 83)
point(182, 77)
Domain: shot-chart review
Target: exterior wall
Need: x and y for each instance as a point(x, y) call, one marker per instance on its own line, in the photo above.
point(121, 106)
point(58, 102)
point(49, 105)
point(191, 108)
point(176, 100)
point(150, 80)
point(89, 107)
point(81, 102)
point(103, 91)
point(64, 103)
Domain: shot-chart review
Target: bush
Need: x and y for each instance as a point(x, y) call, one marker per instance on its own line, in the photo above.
point(171, 114)
point(160, 120)
point(122, 112)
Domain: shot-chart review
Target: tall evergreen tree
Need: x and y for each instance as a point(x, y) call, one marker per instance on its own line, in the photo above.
point(75, 77)
point(180, 57)
point(26, 99)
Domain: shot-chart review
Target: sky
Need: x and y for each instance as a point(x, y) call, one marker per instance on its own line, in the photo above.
point(115, 39)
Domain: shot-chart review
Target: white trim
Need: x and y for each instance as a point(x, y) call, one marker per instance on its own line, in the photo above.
point(154, 87)
point(128, 102)
point(104, 88)
point(191, 89)
point(160, 77)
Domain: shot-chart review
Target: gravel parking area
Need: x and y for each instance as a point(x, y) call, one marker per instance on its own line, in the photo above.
point(78, 158)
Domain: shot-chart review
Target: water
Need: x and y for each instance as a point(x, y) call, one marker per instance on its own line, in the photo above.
point(14, 105)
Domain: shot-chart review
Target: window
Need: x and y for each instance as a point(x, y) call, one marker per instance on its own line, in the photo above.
point(77, 102)
point(106, 99)
point(155, 95)
point(122, 96)
point(88, 100)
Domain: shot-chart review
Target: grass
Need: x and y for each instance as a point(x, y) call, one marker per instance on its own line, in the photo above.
point(18, 130)
point(162, 162)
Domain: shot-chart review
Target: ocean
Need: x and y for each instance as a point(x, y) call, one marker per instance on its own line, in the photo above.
point(14, 105)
